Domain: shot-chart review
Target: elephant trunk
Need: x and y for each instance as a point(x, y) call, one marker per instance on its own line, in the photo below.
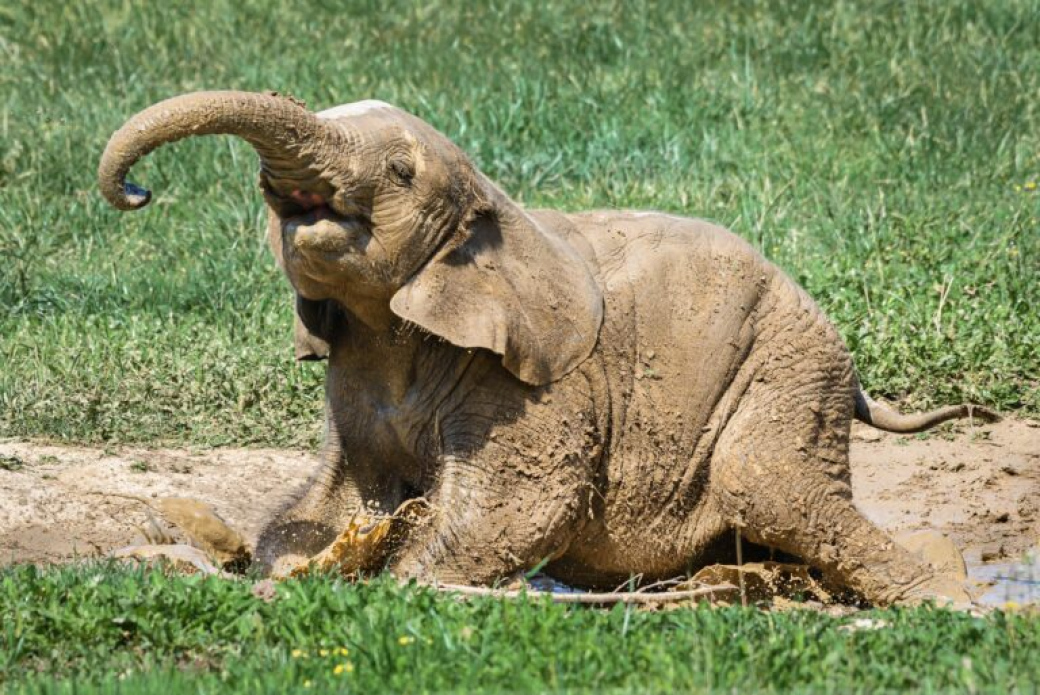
point(292, 142)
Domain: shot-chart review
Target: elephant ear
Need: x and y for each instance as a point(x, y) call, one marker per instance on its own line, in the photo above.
point(509, 285)
point(314, 328)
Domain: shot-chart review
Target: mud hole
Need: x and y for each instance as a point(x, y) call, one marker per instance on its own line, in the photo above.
point(979, 486)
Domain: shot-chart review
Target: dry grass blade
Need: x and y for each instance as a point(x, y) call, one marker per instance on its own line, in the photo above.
point(592, 598)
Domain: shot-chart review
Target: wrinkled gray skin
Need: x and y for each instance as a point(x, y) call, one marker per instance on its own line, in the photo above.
point(612, 391)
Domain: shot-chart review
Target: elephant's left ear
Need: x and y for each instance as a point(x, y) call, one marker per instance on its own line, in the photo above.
point(314, 328)
point(511, 286)
point(316, 322)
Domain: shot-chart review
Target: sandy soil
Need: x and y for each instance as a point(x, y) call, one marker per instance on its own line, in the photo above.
point(979, 486)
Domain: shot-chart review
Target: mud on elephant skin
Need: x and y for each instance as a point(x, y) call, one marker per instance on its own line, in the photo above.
point(609, 391)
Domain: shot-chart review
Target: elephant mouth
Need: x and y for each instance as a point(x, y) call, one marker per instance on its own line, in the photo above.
point(321, 232)
point(319, 228)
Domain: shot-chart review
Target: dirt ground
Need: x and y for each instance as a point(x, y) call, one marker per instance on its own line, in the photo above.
point(979, 486)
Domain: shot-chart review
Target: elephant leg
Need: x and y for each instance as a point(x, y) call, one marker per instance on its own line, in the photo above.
point(490, 522)
point(781, 475)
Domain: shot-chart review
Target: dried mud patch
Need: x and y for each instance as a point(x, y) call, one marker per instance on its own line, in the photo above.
point(58, 502)
point(978, 486)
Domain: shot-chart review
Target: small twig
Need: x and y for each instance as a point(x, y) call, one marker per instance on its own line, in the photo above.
point(591, 598)
point(630, 582)
point(658, 585)
point(740, 569)
point(944, 292)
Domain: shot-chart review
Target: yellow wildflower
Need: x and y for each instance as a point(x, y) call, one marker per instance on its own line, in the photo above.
point(342, 651)
point(307, 684)
point(1030, 186)
point(323, 652)
point(298, 653)
point(405, 640)
point(343, 668)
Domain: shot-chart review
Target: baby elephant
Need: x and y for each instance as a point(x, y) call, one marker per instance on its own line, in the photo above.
point(605, 392)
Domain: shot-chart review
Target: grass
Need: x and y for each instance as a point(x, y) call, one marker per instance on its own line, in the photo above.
point(883, 153)
point(110, 629)
point(880, 152)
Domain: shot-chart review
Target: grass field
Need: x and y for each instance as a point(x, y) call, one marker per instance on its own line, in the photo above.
point(154, 634)
point(885, 154)
point(879, 153)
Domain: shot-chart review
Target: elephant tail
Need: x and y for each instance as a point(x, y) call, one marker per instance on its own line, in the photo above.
point(882, 417)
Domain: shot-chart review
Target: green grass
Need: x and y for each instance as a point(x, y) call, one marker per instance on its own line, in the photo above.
point(871, 149)
point(878, 151)
point(105, 628)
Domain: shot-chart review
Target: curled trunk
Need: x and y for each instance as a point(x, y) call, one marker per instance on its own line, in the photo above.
point(292, 142)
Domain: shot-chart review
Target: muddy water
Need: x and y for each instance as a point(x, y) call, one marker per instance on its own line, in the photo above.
point(1015, 582)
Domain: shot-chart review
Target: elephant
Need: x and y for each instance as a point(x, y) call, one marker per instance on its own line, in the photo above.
point(597, 394)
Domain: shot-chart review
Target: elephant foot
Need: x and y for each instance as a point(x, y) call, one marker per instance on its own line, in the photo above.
point(947, 592)
point(948, 585)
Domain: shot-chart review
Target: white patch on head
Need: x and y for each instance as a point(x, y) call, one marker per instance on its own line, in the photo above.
point(354, 109)
point(643, 213)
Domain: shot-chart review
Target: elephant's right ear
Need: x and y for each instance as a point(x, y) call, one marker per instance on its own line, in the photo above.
point(314, 328)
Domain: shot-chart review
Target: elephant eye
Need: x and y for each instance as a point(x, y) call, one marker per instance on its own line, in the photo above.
point(402, 170)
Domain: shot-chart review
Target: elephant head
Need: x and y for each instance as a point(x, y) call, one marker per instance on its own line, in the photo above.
point(377, 215)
